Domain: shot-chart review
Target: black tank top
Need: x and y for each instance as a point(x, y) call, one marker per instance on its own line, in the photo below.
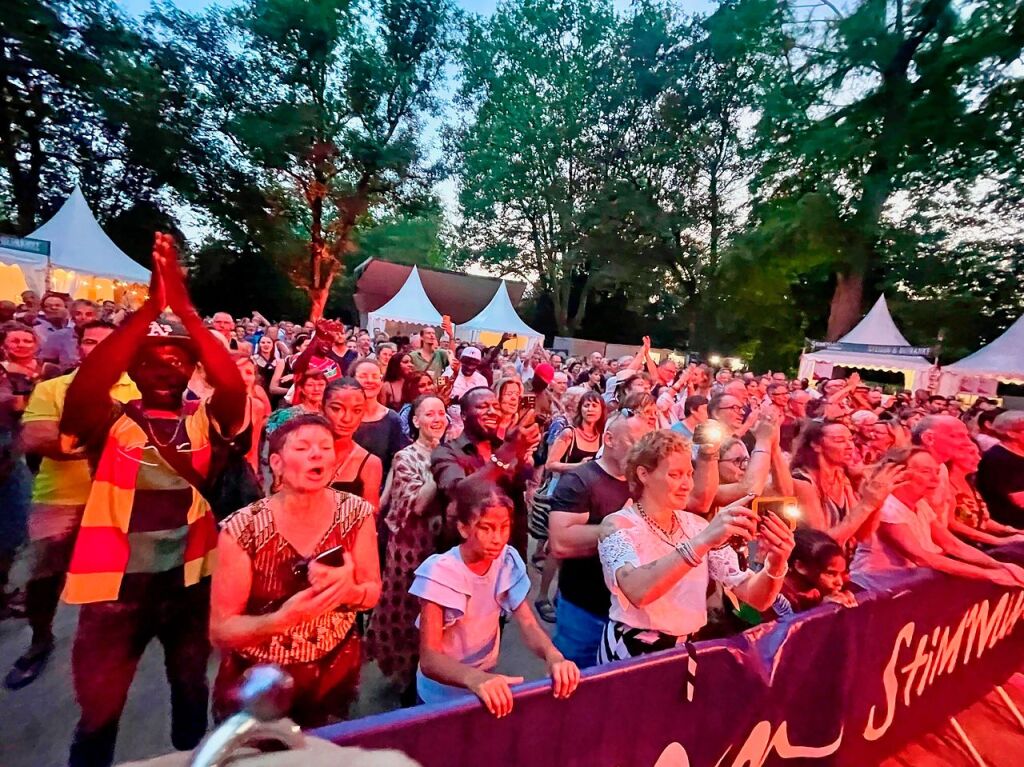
point(575, 453)
point(353, 486)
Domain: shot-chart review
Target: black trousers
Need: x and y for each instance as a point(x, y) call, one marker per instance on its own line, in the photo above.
point(109, 643)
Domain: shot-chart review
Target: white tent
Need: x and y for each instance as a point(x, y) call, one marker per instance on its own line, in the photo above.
point(499, 316)
point(877, 329)
point(409, 305)
point(83, 263)
point(1001, 361)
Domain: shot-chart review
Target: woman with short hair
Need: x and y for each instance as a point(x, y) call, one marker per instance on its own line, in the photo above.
point(274, 601)
point(658, 558)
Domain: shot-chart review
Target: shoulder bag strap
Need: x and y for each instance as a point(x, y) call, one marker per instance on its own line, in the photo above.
point(174, 459)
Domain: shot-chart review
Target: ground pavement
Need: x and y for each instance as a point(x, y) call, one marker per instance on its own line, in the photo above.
point(36, 722)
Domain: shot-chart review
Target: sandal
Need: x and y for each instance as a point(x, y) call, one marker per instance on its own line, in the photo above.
point(545, 610)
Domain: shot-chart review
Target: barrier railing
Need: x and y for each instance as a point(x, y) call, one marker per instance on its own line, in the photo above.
point(833, 686)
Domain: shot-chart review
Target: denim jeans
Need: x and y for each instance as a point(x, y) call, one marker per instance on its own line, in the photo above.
point(578, 633)
point(109, 643)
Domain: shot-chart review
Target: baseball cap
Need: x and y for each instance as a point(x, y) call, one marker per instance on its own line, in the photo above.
point(167, 330)
point(471, 353)
point(545, 372)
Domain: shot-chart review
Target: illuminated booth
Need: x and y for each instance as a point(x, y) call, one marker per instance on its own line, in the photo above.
point(1001, 361)
point(83, 262)
point(874, 344)
point(499, 316)
point(407, 311)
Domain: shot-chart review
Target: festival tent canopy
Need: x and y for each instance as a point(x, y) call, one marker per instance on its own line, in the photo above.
point(877, 329)
point(84, 262)
point(499, 316)
point(459, 295)
point(409, 305)
point(1003, 359)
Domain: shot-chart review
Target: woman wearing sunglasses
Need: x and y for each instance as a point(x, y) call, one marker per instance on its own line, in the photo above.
point(293, 570)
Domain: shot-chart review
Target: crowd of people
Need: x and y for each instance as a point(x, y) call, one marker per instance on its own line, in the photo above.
point(320, 497)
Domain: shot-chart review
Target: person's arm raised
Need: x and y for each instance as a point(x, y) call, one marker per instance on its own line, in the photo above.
point(112, 356)
point(228, 403)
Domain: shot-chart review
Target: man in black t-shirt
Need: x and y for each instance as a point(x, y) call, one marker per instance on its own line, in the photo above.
point(1001, 472)
point(583, 497)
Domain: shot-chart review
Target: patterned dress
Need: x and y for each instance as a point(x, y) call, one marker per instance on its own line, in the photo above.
point(321, 654)
point(393, 639)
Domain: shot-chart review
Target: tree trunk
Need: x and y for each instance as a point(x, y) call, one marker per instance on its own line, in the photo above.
point(846, 302)
point(319, 298)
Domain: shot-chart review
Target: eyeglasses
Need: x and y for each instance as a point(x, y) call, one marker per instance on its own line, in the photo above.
point(730, 407)
point(742, 462)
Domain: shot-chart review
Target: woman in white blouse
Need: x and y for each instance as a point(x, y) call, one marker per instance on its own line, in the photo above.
point(658, 558)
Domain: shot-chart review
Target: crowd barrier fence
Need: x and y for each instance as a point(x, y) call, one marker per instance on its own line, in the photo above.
point(832, 686)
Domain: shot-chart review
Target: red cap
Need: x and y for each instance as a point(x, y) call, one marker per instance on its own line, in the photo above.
point(544, 372)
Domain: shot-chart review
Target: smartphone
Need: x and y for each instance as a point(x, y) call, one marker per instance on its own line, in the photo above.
point(708, 433)
point(332, 557)
point(528, 402)
point(784, 507)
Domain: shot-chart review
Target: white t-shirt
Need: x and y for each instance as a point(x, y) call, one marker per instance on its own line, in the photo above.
point(464, 383)
point(683, 608)
point(472, 607)
point(876, 556)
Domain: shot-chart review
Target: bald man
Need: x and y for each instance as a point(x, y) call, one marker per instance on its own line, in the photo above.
point(583, 497)
point(944, 437)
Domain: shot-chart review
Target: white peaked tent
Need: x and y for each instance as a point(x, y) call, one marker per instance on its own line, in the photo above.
point(876, 329)
point(83, 263)
point(1001, 361)
point(409, 305)
point(499, 316)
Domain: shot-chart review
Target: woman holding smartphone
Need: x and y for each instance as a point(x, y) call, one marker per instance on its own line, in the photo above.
point(293, 570)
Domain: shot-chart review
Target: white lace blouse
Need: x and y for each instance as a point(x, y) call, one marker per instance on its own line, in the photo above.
point(683, 608)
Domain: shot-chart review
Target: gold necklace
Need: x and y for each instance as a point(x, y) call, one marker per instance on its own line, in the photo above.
point(665, 536)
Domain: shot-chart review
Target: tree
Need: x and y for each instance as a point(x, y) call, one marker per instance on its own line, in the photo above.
point(309, 117)
point(80, 100)
point(875, 105)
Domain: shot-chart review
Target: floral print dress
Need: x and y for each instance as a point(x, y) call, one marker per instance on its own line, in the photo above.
point(392, 638)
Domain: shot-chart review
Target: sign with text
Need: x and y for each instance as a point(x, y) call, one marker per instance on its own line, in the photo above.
point(833, 686)
point(898, 351)
point(25, 244)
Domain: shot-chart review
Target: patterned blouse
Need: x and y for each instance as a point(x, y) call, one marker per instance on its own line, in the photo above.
point(274, 578)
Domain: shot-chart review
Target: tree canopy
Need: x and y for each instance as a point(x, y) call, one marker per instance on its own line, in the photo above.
point(734, 181)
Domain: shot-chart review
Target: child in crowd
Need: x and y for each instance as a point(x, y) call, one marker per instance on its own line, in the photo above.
point(817, 573)
point(463, 594)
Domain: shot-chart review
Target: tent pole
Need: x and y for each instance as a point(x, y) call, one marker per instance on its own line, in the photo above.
point(1010, 705)
point(48, 283)
point(967, 742)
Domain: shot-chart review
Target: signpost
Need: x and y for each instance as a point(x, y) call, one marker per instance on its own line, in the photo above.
point(25, 244)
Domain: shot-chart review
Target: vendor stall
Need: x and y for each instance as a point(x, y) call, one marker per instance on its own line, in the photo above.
point(874, 344)
point(1001, 361)
point(499, 316)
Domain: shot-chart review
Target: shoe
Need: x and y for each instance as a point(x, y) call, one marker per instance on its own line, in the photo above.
point(545, 610)
point(28, 667)
point(12, 605)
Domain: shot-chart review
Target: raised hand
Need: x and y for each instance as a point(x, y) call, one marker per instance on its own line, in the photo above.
point(881, 483)
point(776, 537)
point(165, 260)
point(525, 434)
point(157, 293)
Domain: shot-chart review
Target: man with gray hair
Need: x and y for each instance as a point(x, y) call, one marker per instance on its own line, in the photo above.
point(1001, 472)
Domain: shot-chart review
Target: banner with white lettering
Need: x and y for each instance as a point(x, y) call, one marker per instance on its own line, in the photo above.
point(833, 686)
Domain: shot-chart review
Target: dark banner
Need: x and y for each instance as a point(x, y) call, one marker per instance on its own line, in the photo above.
point(834, 686)
point(899, 351)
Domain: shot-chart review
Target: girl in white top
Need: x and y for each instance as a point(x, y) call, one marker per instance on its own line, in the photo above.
point(463, 594)
point(658, 558)
point(910, 534)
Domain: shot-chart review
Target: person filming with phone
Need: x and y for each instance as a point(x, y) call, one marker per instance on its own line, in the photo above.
point(479, 452)
point(293, 571)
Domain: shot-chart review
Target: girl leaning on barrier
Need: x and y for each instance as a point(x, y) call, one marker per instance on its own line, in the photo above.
point(658, 558)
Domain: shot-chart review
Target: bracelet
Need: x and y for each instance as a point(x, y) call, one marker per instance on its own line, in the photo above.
point(500, 464)
point(685, 550)
point(778, 577)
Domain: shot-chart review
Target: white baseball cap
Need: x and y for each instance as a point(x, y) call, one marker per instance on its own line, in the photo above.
point(471, 353)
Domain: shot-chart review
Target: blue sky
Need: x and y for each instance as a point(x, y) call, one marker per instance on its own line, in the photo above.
point(477, 6)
